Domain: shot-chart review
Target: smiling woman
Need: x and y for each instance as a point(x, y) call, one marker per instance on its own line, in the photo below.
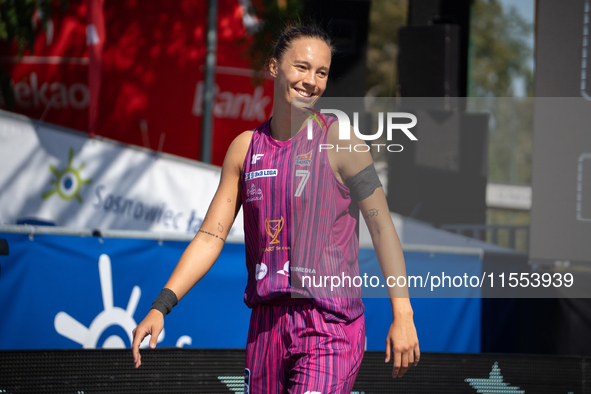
point(300, 66)
point(299, 219)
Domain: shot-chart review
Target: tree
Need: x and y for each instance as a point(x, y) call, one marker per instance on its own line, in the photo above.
point(500, 55)
point(385, 20)
point(499, 50)
point(273, 16)
point(20, 22)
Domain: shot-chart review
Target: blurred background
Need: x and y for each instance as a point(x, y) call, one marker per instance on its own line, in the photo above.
point(115, 117)
point(150, 75)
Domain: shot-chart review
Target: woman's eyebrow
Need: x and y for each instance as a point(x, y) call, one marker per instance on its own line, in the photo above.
point(307, 63)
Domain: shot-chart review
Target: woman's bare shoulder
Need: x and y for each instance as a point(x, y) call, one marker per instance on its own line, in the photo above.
point(244, 138)
point(238, 148)
point(348, 156)
point(241, 143)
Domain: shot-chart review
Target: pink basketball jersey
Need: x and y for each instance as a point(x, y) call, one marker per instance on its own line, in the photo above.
point(300, 225)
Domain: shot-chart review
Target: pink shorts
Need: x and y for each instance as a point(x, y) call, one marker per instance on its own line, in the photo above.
point(294, 349)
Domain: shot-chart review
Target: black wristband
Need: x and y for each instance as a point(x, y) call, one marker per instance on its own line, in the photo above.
point(165, 301)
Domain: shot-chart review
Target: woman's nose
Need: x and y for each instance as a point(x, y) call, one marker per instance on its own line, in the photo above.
point(310, 79)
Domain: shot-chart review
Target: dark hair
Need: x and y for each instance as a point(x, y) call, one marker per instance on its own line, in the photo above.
point(292, 33)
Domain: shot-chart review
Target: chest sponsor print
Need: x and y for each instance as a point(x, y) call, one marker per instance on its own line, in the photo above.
point(304, 159)
point(254, 194)
point(256, 157)
point(260, 174)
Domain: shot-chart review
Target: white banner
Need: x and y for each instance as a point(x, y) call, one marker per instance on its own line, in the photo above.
point(57, 176)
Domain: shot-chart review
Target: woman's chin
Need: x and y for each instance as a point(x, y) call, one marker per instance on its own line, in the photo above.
point(303, 102)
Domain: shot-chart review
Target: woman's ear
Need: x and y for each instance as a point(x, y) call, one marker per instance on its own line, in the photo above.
point(273, 67)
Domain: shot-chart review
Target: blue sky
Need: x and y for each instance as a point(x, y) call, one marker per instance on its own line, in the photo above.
point(525, 7)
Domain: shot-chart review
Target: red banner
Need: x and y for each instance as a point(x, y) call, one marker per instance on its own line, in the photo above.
point(151, 85)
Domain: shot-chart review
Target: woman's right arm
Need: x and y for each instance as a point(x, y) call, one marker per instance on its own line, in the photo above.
point(205, 248)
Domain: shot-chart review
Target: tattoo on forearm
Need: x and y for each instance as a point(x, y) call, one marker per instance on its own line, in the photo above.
point(213, 235)
point(220, 227)
point(371, 213)
point(229, 200)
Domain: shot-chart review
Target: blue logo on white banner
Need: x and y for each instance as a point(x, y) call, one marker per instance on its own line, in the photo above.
point(65, 179)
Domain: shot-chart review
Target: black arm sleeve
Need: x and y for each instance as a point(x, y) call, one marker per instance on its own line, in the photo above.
point(364, 183)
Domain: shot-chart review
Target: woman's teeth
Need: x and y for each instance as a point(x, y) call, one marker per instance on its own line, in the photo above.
point(303, 93)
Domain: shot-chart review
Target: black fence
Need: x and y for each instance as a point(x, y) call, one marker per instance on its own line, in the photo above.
point(175, 370)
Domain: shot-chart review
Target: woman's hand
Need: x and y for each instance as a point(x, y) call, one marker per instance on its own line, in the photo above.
point(152, 325)
point(403, 341)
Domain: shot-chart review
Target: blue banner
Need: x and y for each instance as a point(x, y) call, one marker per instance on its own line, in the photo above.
point(89, 292)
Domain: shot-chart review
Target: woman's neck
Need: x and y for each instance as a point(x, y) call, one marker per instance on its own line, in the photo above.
point(281, 125)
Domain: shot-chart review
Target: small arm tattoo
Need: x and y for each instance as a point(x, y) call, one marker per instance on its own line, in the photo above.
point(213, 235)
point(371, 213)
point(220, 227)
point(229, 200)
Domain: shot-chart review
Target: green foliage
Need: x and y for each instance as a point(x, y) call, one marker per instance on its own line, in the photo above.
point(499, 50)
point(385, 19)
point(274, 16)
point(16, 21)
point(17, 26)
point(510, 140)
point(500, 54)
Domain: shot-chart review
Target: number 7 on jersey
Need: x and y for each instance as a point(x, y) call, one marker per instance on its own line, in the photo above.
point(304, 174)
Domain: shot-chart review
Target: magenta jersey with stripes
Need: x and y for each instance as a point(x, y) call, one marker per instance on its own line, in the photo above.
point(300, 225)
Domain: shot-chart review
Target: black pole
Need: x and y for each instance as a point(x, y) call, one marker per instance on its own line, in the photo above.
point(210, 60)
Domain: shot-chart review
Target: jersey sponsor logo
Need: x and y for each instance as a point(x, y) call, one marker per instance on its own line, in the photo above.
point(256, 157)
point(304, 270)
point(273, 228)
point(285, 270)
point(254, 194)
point(260, 174)
point(261, 271)
point(304, 160)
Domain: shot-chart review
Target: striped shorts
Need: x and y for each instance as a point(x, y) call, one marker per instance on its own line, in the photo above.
point(294, 349)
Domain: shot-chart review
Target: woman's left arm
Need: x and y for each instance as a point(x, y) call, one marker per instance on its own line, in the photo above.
point(402, 336)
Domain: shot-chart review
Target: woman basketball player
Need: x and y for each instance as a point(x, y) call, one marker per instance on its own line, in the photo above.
point(301, 209)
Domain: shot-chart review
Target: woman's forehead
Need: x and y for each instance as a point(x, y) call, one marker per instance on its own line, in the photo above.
point(309, 48)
